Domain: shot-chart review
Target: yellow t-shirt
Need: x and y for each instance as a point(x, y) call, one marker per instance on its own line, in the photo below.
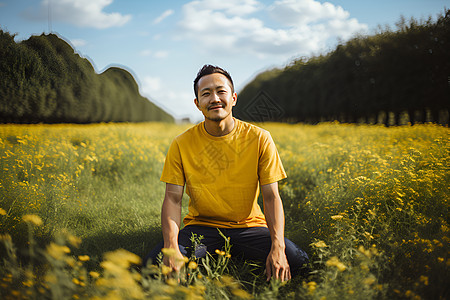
point(222, 174)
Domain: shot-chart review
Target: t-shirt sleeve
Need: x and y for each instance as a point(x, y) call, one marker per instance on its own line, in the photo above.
point(173, 166)
point(270, 167)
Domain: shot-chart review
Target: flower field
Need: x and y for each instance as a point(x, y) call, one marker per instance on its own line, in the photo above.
point(80, 205)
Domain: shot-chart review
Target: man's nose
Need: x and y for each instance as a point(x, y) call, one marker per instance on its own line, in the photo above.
point(215, 98)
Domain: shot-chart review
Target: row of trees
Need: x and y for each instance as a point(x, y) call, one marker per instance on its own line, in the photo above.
point(373, 79)
point(42, 79)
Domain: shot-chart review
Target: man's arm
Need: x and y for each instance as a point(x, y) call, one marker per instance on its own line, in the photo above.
point(170, 223)
point(277, 265)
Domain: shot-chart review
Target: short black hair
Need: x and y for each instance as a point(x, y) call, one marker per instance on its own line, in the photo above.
point(208, 70)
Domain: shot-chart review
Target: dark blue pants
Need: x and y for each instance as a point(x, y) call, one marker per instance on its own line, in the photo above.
point(251, 243)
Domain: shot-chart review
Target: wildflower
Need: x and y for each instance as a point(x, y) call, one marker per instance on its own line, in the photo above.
point(369, 280)
point(83, 257)
point(337, 217)
point(57, 251)
point(94, 274)
point(192, 265)
point(112, 267)
point(183, 259)
point(319, 244)
point(220, 252)
point(334, 261)
point(311, 286)
point(5, 237)
point(2, 212)
point(74, 240)
point(165, 270)
point(168, 251)
point(28, 283)
point(33, 219)
point(364, 251)
point(123, 258)
point(172, 282)
point(367, 235)
point(241, 294)
point(424, 279)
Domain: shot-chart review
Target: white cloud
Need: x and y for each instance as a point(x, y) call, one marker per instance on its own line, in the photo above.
point(163, 16)
point(84, 13)
point(150, 85)
point(145, 53)
point(161, 54)
point(157, 54)
point(179, 103)
point(78, 42)
point(301, 26)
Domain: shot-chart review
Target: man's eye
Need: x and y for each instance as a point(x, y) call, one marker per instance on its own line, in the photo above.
point(222, 91)
point(205, 94)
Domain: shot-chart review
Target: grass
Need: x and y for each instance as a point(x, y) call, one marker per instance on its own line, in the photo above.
point(369, 204)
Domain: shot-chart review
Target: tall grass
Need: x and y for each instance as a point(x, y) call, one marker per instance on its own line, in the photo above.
point(368, 203)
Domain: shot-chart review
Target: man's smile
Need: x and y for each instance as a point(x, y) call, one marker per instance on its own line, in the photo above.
point(215, 107)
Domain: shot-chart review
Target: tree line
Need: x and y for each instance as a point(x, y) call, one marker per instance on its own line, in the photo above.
point(42, 79)
point(390, 77)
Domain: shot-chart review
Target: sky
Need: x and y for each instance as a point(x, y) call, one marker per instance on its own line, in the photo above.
point(164, 43)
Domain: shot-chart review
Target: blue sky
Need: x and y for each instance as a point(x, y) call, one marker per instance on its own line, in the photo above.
point(164, 43)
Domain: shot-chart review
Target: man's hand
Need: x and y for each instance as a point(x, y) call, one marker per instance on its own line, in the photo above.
point(173, 259)
point(277, 265)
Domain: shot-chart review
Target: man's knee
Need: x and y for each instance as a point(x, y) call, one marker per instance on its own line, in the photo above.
point(297, 258)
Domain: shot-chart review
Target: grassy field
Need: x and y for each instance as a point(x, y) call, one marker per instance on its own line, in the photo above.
point(79, 204)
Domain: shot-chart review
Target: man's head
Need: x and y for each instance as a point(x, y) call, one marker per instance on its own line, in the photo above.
point(208, 70)
point(214, 91)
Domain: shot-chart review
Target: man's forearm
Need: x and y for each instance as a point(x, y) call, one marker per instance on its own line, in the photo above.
point(273, 210)
point(171, 215)
point(170, 223)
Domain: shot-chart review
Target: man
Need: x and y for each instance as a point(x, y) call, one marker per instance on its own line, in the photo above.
point(224, 162)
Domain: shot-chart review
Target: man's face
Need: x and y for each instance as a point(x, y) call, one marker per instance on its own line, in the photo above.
point(215, 97)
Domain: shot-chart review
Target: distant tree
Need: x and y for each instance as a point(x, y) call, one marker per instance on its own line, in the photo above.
point(44, 80)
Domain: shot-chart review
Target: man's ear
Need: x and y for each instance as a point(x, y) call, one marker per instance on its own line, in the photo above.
point(196, 102)
point(234, 99)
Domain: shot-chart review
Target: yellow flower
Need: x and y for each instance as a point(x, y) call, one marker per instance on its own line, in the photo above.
point(222, 253)
point(172, 282)
point(74, 240)
point(33, 219)
point(334, 261)
point(57, 251)
point(2, 212)
point(319, 244)
point(94, 274)
point(369, 280)
point(367, 235)
point(5, 237)
point(122, 258)
point(364, 251)
point(83, 257)
point(424, 279)
point(165, 270)
point(241, 294)
point(168, 251)
point(312, 285)
point(192, 265)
